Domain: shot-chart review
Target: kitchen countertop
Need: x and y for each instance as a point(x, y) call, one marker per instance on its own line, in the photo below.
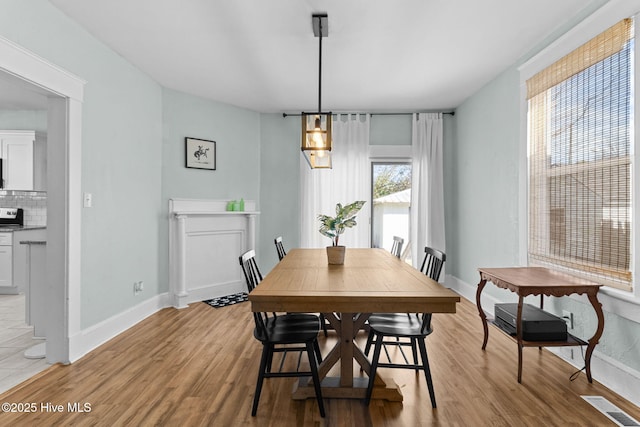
point(33, 242)
point(7, 228)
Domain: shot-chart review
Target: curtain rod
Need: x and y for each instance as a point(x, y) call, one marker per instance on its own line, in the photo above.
point(451, 113)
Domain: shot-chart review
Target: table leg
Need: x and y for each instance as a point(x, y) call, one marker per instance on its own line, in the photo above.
point(337, 352)
point(519, 337)
point(345, 351)
point(483, 317)
point(593, 298)
point(541, 308)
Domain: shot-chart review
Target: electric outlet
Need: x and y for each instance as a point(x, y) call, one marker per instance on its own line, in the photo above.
point(568, 317)
point(138, 287)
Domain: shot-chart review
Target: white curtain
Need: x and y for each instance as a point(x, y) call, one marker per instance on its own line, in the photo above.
point(346, 182)
point(427, 189)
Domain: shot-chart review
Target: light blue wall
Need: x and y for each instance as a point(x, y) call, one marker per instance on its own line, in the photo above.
point(24, 120)
point(237, 175)
point(237, 135)
point(481, 180)
point(279, 186)
point(482, 196)
point(121, 156)
point(390, 130)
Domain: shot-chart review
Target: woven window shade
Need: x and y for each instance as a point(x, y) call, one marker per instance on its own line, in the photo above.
point(580, 160)
point(594, 51)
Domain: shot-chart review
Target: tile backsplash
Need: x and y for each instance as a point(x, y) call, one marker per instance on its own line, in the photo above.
point(34, 204)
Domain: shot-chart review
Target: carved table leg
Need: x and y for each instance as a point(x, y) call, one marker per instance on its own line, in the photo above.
point(593, 298)
point(483, 317)
point(519, 337)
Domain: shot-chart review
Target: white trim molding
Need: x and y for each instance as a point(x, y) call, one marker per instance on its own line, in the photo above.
point(64, 209)
point(205, 240)
point(30, 67)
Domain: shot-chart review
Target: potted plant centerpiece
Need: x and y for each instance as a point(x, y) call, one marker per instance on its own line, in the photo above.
point(333, 227)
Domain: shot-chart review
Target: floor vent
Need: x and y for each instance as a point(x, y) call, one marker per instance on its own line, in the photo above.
point(611, 411)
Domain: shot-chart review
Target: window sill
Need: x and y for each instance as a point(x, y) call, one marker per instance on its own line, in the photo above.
point(620, 303)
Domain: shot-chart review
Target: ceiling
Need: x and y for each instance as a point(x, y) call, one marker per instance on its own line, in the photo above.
point(380, 55)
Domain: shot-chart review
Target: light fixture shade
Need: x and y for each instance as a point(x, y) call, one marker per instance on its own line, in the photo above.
point(316, 139)
point(318, 162)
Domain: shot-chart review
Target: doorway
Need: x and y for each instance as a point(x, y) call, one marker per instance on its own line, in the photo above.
point(24, 107)
point(64, 93)
point(391, 205)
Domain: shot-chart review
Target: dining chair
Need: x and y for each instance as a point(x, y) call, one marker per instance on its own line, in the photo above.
point(433, 262)
point(413, 326)
point(279, 248)
point(280, 334)
point(281, 254)
point(396, 248)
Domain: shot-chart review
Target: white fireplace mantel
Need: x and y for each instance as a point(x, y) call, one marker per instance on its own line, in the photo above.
point(205, 241)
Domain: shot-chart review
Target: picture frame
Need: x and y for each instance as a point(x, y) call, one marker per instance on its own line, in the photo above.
point(200, 153)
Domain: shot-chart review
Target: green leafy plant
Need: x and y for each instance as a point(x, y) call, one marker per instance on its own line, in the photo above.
point(333, 227)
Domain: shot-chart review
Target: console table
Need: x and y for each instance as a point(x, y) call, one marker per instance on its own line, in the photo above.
point(541, 281)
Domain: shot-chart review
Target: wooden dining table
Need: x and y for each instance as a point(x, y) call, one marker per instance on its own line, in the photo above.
point(369, 281)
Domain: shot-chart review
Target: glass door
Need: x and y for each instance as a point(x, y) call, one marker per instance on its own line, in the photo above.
point(391, 196)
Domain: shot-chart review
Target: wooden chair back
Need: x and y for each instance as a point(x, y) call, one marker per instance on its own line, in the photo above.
point(432, 263)
point(279, 247)
point(253, 278)
point(250, 269)
point(396, 249)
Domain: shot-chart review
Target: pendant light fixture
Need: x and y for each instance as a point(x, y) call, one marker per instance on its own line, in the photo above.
point(316, 126)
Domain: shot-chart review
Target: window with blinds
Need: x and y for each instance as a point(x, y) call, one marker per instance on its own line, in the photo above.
point(580, 148)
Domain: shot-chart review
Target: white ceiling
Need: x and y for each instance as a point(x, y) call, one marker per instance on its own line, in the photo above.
point(380, 55)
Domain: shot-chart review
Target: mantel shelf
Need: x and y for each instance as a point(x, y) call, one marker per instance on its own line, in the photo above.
point(194, 213)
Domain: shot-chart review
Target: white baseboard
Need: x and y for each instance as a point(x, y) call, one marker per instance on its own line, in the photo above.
point(96, 335)
point(609, 372)
point(91, 338)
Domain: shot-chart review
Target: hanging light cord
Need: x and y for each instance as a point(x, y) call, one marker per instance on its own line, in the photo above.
point(320, 66)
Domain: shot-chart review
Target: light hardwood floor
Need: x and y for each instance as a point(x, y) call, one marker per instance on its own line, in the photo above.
point(198, 367)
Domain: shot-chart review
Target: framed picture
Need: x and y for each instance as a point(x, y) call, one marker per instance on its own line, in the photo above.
point(200, 153)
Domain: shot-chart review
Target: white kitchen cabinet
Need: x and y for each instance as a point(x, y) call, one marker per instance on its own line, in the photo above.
point(23, 156)
point(6, 261)
point(20, 272)
point(13, 258)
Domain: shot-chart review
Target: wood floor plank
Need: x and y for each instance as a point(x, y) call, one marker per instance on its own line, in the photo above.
point(198, 366)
